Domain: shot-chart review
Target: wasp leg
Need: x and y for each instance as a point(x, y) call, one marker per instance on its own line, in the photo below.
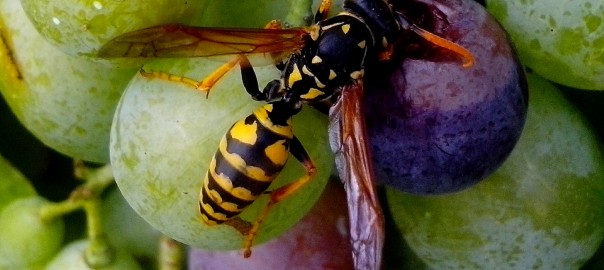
point(209, 81)
point(204, 85)
point(468, 58)
point(250, 81)
point(323, 10)
point(169, 77)
point(282, 193)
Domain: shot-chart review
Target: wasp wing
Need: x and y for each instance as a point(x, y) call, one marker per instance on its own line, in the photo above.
point(175, 40)
point(349, 141)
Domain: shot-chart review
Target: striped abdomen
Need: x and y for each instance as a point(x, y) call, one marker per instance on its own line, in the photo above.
point(250, 156)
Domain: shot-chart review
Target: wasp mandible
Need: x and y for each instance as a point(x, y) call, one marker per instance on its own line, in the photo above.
point(321, 63)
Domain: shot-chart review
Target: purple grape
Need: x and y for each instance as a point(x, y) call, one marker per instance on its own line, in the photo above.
point(435, 126)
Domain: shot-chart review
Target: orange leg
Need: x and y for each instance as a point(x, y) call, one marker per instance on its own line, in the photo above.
point(468, 58)
point(323, 10)
point(281, 193)
point(204, 85)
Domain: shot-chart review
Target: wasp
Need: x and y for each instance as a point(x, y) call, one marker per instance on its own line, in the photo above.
point(320, 64)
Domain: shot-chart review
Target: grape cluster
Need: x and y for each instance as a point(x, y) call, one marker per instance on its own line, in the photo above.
point(454, 192)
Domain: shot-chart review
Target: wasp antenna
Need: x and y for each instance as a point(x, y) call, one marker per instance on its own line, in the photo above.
point(468, 58)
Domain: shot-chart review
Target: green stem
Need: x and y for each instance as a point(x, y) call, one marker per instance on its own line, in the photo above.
point(99, 252)
point(55, 210)
point(171, 254)
point(96, 181)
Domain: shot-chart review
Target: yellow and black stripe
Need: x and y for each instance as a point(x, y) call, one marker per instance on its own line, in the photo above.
point(251, 155)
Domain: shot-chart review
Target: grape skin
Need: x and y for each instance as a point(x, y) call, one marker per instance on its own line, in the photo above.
point(27, 240)
point(436, 127)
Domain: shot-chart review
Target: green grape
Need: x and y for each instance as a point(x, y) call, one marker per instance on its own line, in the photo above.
point(72, 257)
point(13, 184)
point(561, 40)
point(65, 101)
point(255, 14)
point(82, 27)
point(27, 241)
point(541, 210)
point(163, 138)
point(126, 229)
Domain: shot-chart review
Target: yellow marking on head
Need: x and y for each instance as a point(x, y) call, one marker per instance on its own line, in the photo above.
point(332, 74)
point(319, 83)
point(277, 152)
point(345, 28)
point(262, 116)
point(294, 76)
point(312, 93)
point(245, 133)
point(362, 44)
point(356, 74)
point(316, 60)
point(306, 71)
point(384, 42)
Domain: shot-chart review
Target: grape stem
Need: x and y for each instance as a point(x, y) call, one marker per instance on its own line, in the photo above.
point(171, 254)
point(87, 197)
point(95, 182)
point(99, 252)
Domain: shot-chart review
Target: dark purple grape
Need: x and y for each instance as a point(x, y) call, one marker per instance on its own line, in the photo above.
point(435, 126)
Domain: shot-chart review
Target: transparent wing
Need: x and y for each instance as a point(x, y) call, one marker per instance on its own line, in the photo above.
point(348, 139)
point(176, 40)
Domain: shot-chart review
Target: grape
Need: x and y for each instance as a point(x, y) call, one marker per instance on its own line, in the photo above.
point(163, 138)
point(560, 40)
point(27, 241)
point(436, 127)
point(319, 241)
point(82, 27)
point(66, 102)
point(72, 257)
point(541, 209)
point(254, 14)
point(597, 260)
point(13, 184)
point(126, 229)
